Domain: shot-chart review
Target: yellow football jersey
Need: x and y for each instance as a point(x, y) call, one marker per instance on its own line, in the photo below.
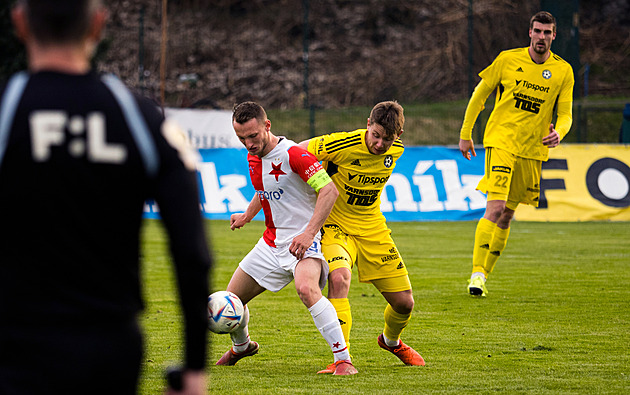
point(359, 175)
point(525, 98)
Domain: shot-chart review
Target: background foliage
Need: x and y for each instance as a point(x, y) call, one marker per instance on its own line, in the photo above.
point(225, 51)
point(219, 52)
point(12, 55)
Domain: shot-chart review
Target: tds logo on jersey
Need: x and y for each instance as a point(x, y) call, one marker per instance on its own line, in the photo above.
point(361, 197)
point(527, 103)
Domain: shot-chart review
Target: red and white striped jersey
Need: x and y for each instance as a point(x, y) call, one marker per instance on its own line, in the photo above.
point(280, 180)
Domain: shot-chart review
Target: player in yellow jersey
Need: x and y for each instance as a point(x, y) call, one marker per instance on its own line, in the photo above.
point(360, 163)
point(529, 82)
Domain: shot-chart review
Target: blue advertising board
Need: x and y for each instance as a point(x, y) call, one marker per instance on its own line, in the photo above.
point(428, 184)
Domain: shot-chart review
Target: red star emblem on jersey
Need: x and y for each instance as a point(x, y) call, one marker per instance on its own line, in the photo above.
point(277, 171)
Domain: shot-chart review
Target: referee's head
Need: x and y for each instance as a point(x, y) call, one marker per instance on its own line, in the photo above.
point(59, 21)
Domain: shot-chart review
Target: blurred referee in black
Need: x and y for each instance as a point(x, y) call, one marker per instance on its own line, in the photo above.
point(79, 155)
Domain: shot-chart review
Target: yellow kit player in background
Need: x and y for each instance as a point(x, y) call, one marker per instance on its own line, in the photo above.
point(529, 82)
point(360, 163)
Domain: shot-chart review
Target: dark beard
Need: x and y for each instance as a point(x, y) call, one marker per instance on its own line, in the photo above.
point(540, 51)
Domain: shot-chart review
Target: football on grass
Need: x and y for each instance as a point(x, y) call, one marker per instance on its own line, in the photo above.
point(225, 312)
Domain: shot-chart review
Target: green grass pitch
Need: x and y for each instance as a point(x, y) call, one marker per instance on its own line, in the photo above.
point(556, 320)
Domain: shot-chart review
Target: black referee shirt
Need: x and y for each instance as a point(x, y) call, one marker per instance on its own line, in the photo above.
point(79, 155)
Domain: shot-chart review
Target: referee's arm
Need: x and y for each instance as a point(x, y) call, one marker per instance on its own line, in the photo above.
point(178, 198)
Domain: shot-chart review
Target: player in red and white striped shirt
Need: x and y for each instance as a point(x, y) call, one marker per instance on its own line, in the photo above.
point(296, 195)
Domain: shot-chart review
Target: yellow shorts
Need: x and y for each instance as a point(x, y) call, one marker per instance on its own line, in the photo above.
point(511, 178)
point(375, 254)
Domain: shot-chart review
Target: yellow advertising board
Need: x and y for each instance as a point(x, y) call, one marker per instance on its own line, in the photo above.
point(583, 182)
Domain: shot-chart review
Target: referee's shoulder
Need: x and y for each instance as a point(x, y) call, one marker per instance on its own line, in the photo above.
point(151, 110)
point(148, 105)
point(3, 83)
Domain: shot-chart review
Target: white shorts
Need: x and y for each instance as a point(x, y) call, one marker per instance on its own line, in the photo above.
point(273, 268)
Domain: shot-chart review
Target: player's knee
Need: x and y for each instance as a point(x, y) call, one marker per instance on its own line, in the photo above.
point(403, 305)
point(494, 210)
point(308, 293)
point(339, 283)
point(340, 276)
point(505, 219)
point(493, 214)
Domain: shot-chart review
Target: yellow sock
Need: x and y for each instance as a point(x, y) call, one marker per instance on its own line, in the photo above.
point(342, 306)
point(394, 323)
point(496, 248)
point(483, 237)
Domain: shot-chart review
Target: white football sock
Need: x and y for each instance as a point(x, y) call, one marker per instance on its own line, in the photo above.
point(391, 343)
point(240, 336)
point(478, 274)
point(326, 321)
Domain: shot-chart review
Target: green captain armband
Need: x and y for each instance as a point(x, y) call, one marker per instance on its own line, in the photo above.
point(319, 180)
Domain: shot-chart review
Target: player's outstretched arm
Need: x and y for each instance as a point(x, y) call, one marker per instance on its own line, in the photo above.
point(177, 195)
point(326, 198)
point(238, 220)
